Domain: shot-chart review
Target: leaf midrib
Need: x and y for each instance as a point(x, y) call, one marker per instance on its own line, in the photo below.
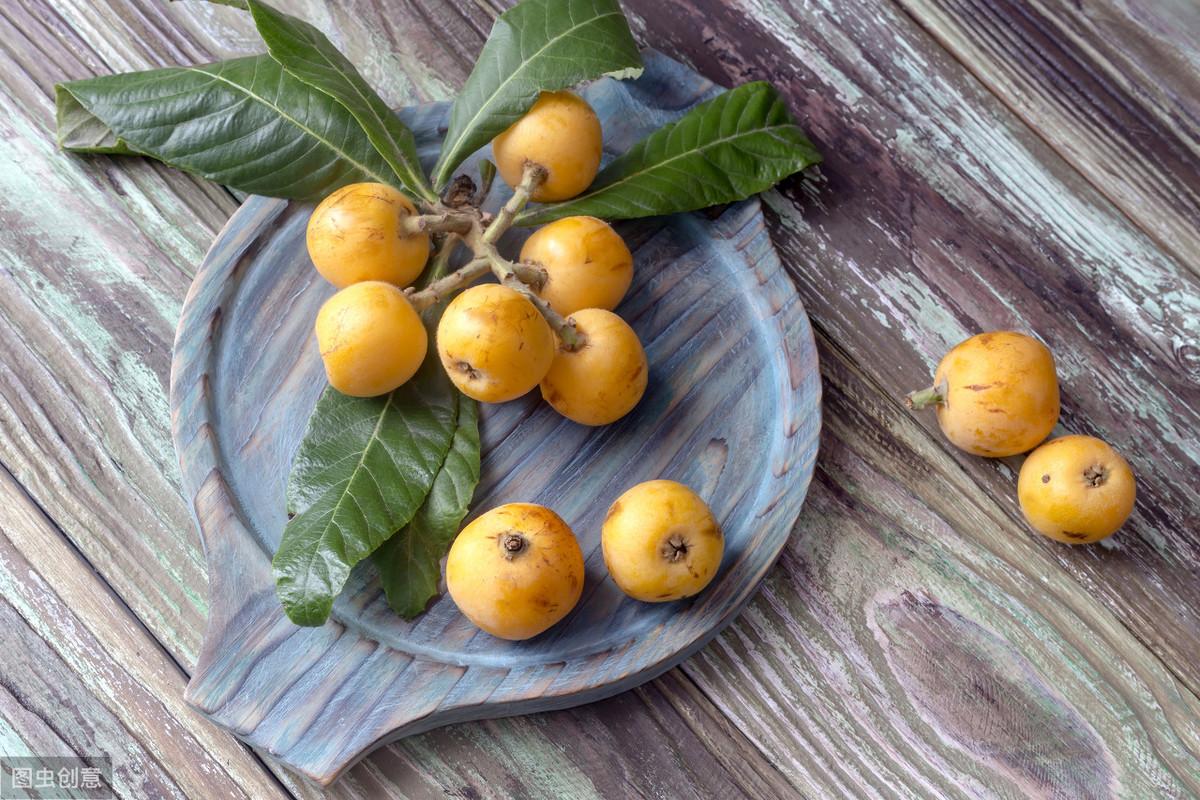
point(374, 437)
point(259, 98)
point(410, 539)
point(500, 87)
point(370, 107)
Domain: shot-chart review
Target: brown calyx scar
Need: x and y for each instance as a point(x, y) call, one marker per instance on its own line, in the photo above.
point(465, 368)
point(1095, 475)
point(675, 548)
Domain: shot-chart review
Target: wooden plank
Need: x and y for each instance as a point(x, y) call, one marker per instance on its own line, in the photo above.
point(114, 275)
point(88, 311)
point(1152, 50)
point(56, 715)
point(914, 642)
point(591, 755)
point(944, 216)
point(877, 251)
point(1137, 147)
point(757, 777)
point(81, 664)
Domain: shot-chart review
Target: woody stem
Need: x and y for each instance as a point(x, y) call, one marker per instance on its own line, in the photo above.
point(531, 178)
point(469, 227)
point(435, 292)
point(437, 222)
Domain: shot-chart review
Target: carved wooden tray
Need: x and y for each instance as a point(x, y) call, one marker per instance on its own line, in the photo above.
point(733, 409)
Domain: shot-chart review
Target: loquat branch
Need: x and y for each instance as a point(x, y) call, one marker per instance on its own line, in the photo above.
point(531, 178)
point(437, 291)
point(480, 234)
point(438, 222)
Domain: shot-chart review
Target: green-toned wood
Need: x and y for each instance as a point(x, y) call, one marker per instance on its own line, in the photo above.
point(78, 662)
point(1121, 118)
point(935, 183)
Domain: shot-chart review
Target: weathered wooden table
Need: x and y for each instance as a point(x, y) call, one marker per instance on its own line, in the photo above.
point(991, 164)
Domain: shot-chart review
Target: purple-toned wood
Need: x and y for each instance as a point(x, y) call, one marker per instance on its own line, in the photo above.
point(732, 409)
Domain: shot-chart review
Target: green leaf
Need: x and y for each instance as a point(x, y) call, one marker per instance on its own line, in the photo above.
point(536, 46)
point(306, 54)
point(245, 123)
point(363, 470)
point(736, 145)
point(409, 563)
point(80, 131)
point(487, 174)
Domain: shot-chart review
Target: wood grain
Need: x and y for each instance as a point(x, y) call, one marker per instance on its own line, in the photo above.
point(945, 214)
point(972, 223)
point(1133, 138)
point(1149, 50)
point(82, 664)
point(913, 642)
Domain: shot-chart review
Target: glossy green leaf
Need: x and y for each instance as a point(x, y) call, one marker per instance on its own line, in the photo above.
point(364, 468)
point(245, 123)
point(409, 563)
point(306, 54)
point(536, 46)
point(738, 144)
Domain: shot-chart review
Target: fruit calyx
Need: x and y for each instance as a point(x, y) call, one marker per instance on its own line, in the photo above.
point(675, 548)
point(1095, 475)
point(513, 544)
point(466, 369)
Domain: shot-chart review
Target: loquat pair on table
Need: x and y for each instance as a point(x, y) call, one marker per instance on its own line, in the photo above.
point(996, 395)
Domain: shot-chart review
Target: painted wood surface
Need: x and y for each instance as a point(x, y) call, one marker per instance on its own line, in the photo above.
point(976, 224)
point(945, 213)
point(1065, 69)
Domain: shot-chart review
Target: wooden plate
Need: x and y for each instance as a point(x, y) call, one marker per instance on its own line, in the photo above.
point(733, 409)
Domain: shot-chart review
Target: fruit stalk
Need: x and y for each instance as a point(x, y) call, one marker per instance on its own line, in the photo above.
point(506, 271)
point(530, 274)
point(443, 251)
point(437, 291)
point(520, 276)
point(925, 397)
point(438, 222)
point(532, 176)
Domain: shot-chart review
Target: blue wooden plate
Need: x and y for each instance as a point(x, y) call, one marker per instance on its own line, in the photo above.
point(732, 409)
